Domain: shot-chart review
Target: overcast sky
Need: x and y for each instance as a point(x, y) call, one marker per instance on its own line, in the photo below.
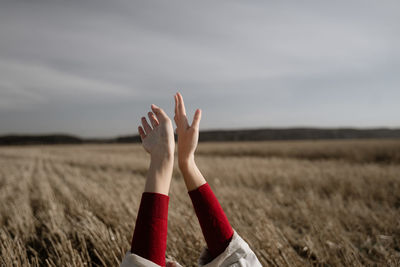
point(93, 68)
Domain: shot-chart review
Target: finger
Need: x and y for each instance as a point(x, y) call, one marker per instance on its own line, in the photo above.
point(176, 120)
point(181, 118)
point(176, 109)
point(141, 133)
point(146, 126)
point(176, 104)
point(159, 112)
point(181, 105)
point(153, 119)
point(196, 119)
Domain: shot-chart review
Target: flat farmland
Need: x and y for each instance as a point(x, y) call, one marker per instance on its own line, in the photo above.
point(296, 203)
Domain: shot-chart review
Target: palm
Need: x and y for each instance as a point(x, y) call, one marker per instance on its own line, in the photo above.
point(150, 141)
point(157, 139)
point(187, 140)
point(188, 135)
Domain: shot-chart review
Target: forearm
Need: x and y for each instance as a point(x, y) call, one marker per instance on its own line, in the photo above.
point(150, 236)
point(191, 174)
point(214, 224)
point(159, 175)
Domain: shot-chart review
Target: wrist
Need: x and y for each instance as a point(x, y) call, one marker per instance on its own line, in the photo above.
point(191, 174)
point(159, 174)
point(186, 162)
point(162, 159)
point(158, 180)
point(161, 166)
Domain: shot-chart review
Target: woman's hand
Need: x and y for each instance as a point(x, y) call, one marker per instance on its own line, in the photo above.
point(188, 135)
point(158, 140)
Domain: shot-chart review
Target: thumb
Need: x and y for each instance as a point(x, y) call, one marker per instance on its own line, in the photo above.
point(196, 119)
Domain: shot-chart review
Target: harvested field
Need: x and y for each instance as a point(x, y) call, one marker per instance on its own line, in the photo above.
point(297, 203)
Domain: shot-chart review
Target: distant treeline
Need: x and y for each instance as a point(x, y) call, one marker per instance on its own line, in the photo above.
point(297, 134)
point(218, 135)
point(39, 139)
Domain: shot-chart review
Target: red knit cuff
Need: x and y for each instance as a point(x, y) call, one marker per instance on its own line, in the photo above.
point(154, 205)
point(214, 224)
point(150, 236)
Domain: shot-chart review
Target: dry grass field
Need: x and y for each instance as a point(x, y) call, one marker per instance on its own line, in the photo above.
point(300, 203)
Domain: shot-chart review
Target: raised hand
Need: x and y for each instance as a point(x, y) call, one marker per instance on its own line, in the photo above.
point(158, 140)
point(188, 135)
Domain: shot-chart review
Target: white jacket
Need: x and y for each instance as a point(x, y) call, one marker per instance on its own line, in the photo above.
point(237, 254)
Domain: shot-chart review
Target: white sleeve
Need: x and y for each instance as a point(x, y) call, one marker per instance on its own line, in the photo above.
point(133, 260)
point(238, 253)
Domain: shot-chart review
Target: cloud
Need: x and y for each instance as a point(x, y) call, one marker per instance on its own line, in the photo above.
point(26, 85)
point(260, 58)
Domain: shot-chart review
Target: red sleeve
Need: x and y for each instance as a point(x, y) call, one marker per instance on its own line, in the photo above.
point(213, 222)
point(150, 236)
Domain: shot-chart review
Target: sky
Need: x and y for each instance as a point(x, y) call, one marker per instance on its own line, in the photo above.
point(93, 67)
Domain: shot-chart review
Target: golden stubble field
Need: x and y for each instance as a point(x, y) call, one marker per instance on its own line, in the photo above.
point(297, 203)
